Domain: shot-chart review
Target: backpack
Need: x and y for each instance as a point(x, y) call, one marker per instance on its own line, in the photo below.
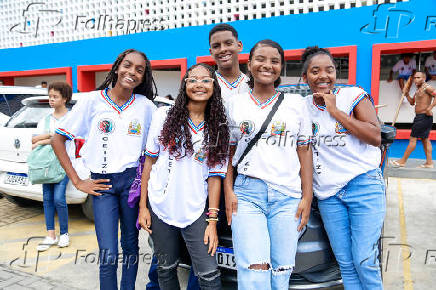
point(44, 166)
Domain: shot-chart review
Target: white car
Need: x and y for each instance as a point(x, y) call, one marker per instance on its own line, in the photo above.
point(16, 145)
point(3, 119)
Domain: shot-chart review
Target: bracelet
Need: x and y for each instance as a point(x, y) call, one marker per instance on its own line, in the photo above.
point(214, 208)
point(212, 219)
point(211, 213)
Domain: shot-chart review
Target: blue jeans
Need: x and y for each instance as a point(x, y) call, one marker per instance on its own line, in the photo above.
point(153, 284)
point(353, 219)
point(264, 231)
point(53, 195)
point(110, 208)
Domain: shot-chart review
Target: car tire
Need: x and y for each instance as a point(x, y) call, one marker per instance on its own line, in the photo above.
point(21, 202)
point(87, 209)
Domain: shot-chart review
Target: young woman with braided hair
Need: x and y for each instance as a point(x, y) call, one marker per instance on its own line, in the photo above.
point(114, 121)
point(186, 159)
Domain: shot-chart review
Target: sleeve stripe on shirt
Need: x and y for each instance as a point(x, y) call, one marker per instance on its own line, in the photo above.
point(151, 154)
point(65, 133)
point(357, 100)
point(216, 173)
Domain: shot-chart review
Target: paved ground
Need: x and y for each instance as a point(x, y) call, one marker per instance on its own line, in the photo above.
point(409, 245)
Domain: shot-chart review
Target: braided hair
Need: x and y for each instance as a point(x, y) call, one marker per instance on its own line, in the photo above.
point(175, 135)
point(147, 87)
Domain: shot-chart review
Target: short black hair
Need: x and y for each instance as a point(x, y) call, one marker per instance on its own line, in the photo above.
point(43, 83)
point(223, 27)
point(64, 88)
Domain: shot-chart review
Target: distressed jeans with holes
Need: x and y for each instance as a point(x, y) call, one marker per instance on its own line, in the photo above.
point(264, 233)
point(166, 239)
point(353, 219)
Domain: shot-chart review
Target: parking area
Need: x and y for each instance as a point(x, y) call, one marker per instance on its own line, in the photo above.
point(409, 247)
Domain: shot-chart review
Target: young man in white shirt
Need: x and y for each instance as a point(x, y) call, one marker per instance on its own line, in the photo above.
point(405, 67)
point(224, 47)
point(430, 66)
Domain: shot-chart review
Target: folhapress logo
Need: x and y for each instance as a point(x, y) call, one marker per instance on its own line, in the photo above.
point(389, 20)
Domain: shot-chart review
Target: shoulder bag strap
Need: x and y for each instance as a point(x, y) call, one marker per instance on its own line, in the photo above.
point(262, 128)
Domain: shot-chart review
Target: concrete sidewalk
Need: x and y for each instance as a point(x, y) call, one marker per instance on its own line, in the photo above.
point(13, 279)
point(411, 170)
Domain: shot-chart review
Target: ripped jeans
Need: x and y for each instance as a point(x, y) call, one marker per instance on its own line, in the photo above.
point(166, 241)
point(265, 235)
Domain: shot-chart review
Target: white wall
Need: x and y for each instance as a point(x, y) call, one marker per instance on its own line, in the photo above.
point(35, 81)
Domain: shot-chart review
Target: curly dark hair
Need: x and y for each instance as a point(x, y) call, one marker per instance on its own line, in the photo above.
point(175, 135)
point(147, 87)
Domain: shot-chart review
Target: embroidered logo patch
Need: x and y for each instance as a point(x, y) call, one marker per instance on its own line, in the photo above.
point(278, 128)
point(134, 128)
point(246, 127)
point(106, 126)
point(340, 129)
point(200, 156)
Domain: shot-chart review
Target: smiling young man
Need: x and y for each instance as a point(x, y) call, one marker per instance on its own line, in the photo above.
point(224, 47)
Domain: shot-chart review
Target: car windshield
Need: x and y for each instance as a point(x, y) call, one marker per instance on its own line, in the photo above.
point(28, 116)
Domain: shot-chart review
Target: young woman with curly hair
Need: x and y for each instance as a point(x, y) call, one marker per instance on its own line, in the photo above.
point(186, 159)
point(114, 120)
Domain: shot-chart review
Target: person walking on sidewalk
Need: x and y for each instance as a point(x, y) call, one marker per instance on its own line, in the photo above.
point(424, 101)
point(59, 95)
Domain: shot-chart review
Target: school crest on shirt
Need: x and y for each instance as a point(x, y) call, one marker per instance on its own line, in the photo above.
point(134, 128)
point(246, 127)
point(200, 155)
point(106, 126)
point(340, 129)
point(278, 128)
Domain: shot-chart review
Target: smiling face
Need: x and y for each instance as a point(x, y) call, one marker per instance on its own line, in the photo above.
point(55, 99)
point(321, 74)
point(199, 84)
point(131, 71)
point(265, 65)
point(224, 48)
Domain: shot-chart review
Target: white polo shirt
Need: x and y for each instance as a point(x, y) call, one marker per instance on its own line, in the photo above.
point(115, 136)
point(231, 89)
point(430, 64)
point(338, 156)
point(178, 189)
point(405, 69)
point(274, 158)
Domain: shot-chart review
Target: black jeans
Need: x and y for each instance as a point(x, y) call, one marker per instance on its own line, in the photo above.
point(167, 250)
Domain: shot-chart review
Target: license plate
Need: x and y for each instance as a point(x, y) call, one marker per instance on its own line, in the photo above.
point(17, 179)
point(225, 258)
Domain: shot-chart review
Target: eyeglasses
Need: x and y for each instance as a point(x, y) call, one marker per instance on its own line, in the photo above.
point(194, 81)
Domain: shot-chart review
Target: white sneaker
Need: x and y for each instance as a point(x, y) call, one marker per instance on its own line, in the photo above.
point(46, 243)
point(64, 240)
